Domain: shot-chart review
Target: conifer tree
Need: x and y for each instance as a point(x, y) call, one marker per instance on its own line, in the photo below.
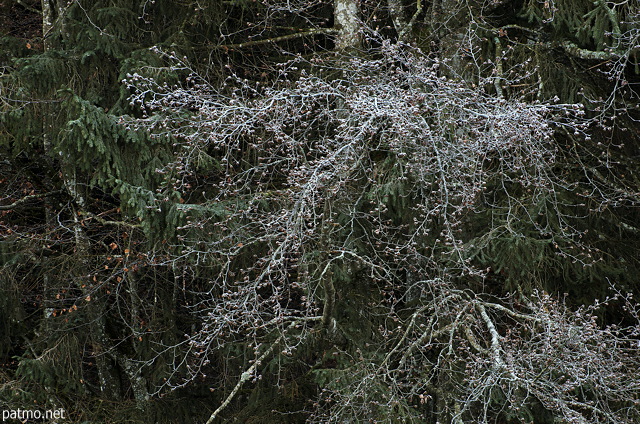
point(320, 211)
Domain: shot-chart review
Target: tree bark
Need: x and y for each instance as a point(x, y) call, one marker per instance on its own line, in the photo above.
point(346, 13)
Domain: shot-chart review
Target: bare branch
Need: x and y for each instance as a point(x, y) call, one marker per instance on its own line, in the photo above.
point(248, 374)
point(308, 33)
point(28, 199)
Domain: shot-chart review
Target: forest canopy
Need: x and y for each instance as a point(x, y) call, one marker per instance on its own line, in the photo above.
point(320, 211)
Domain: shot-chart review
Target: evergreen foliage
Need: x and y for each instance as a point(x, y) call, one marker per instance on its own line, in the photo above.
point(211, 210)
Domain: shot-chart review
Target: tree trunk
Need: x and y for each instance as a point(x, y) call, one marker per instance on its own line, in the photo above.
point(347, 20)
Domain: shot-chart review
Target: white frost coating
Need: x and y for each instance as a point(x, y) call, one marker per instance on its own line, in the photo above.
point(348, 24)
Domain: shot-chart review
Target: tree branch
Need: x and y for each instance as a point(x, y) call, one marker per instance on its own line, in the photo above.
point(27, 199)
point(29, 8)
point(495, 337)
point(508, 311)
point(412, 21)
point(247, 374)
point(581, 53)
point(107, 222)
point(318, 31)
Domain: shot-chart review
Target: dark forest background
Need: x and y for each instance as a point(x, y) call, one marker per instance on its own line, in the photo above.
point(283, 211)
